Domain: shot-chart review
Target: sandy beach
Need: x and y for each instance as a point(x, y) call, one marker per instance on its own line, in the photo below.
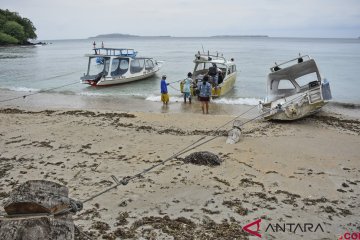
point(294, 172)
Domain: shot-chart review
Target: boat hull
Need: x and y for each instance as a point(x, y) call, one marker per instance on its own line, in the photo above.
point(294, 112)
point(225, 87)
point(294, 107)
point(219, 91)
point(108, 81)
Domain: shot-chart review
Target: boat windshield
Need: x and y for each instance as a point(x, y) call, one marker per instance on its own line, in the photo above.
point(95, 68)
point(206, 68)
point(303, 81)
point(137, 65)
point(119, 66)
point(149, 65)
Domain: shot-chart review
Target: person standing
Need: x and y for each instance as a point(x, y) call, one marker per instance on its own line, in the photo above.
point(187, 87)
point(164, 91)
point(205, 94)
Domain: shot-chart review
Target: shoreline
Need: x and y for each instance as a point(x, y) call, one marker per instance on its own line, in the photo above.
point(131, 103)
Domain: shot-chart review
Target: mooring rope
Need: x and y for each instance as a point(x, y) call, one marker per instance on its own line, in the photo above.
point(175, 81)
point(57, 76)
point(125, 180)
point(46, 90)
point(41, 91)
point(175, 88)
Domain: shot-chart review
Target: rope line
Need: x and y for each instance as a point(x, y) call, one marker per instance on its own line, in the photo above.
point(41, 91)
point(125, 180)
point(175, 81)
point(57, 76)
point(175, 88)
point(196, 144)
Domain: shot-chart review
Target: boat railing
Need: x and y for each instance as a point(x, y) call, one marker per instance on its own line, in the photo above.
point(209, 56)
point(126, 52)
point(299, 59)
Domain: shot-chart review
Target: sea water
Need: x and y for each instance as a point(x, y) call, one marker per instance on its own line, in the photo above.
point(32, 69)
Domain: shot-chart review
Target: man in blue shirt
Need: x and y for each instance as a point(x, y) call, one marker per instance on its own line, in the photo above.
point(164, 91)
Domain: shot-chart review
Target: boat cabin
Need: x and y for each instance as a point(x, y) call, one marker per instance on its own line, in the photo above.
point(292, 77)
point(115, 64)
point(222, 73)
point(208, 64)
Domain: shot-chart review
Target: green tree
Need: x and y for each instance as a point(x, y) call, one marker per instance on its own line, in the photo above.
point(2, 22)
point(6, 39)
point(15, 30)
point(28, 28)
point(15, 26)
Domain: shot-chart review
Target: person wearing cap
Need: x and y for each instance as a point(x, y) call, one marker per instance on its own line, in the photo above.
point(164, 91)
point(187, 87)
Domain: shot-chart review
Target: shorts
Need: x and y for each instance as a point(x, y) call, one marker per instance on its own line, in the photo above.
point(187, 95)
point(165, 97)
point(204, 99)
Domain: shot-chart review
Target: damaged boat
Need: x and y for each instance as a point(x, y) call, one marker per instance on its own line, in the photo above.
point(295, 90)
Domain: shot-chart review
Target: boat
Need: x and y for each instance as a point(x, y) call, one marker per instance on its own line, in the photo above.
point(110, 66)
point(206, 63)
point(295, 90)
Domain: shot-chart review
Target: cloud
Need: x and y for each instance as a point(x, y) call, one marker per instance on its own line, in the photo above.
point(84, 18)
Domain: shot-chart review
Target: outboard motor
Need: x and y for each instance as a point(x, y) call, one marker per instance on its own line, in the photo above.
point(325, 89)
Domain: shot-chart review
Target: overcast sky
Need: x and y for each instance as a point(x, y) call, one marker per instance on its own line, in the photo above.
point(72, 19)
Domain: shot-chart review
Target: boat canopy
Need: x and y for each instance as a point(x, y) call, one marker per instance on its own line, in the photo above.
point(211, 58)
point(301, 76)
point(123, 52)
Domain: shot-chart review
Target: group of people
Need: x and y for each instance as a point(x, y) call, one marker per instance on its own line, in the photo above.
point(203, 91)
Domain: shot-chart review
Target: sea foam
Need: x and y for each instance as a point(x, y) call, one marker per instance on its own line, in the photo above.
point(238, 101)
point(23, 89)
point(157, 98)
point(91, 94)
point(230, 101)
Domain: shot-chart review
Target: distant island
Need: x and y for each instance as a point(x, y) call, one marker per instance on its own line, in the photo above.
point(15, 30)
point(121, 35)
point(234, 36)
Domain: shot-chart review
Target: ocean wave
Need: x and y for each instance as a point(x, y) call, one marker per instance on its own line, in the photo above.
point(23, 89)
point(92, 94)
point(238, 101)
point(230, 101)
point(157, 98)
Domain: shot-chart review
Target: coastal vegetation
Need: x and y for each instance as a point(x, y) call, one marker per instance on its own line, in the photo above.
point(15, 29)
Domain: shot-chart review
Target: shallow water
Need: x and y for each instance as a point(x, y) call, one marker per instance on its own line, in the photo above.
point(63, 62)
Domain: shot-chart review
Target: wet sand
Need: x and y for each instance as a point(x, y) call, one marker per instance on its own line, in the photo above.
point(55, 101)
point(296, 172)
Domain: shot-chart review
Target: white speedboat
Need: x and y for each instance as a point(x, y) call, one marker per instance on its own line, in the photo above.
point(110, 66)
point(224, 72)
point(295, 90)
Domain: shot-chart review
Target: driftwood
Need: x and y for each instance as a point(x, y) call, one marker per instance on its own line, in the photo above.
point(36, 228)
point(37, 196)
point(31, 209)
